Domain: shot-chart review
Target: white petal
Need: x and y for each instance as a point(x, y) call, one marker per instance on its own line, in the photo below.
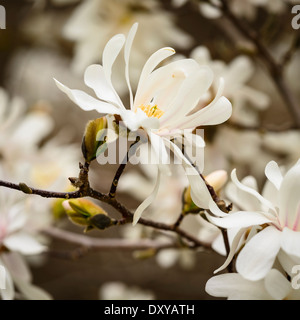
point(17, 266)
point(155, 59)
point(87, 102)
point(23, 243)
point(188, 95)
point(233, 247)
point(240, 219)
point(127, 50)
point(199, 191)
point(290, 242)
point(251, 191)
point(235, 287)
point(94, 77)
point(277, 285)
point(257, 257)
point(110, 53)
point(289, 201)
point(215, 113)
point(8, 292)
point(143, 206)
point(273, 173)
point(32, 292)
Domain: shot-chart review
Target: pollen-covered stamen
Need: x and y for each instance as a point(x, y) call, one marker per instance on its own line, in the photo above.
point(152, 111)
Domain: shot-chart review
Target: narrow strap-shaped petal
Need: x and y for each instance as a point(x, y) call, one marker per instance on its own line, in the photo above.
point(128, 45)
point(87, 102)
point(264, 201)
point(273, 173)
point(155, 59)
point(199, 191)
point(233, 247)
point(94, 77)
point(146, 203)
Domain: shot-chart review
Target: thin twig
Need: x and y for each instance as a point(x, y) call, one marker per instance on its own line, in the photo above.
point(114, 185)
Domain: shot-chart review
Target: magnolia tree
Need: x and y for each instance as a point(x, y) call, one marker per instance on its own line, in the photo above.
point(209, 173)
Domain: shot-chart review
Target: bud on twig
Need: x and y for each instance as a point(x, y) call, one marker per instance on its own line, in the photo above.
point(85, 213)
point(94, 138)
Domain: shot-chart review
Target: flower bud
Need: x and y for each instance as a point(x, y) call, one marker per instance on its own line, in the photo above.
point(94, 138)
point(83, 212)
point(217, 179)
point(188, 204)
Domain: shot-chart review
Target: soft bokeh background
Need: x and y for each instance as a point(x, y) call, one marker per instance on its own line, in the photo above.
point(35, 48)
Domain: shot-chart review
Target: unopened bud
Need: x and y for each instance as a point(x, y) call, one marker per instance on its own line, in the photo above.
point(217, 179)
point(94, 138)
point(85, 213)
point(188, 204)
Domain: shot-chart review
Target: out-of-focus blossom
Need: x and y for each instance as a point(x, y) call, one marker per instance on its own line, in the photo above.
point(18, 238)
point(273, 218)
point(242, 8)
point(164, 112)
point(23, 155)
point(94, 22)
point(246, 101)
point(120, 291)
point(275, 286)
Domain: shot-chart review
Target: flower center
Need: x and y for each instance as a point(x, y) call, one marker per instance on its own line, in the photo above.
point(152, 111)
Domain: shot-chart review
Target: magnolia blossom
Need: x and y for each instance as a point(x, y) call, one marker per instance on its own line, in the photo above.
point(18, 239)
point(162, 106)
point(246, 100)
point(94, 22)
point(275, 286)
point(274, 219)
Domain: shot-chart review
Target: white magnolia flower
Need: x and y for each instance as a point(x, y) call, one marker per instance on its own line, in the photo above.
point(246, 100)
point(18, 238)
point(162, 106)
point(18, 276)
point(275, 286)
point(94, 22)
point(275, 218)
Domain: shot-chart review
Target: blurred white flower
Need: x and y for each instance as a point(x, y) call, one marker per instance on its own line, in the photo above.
point(18, 238)
point(275, 218)
point(246, 101)
point(94, 22)
point(242, 8)
point(275, 286)
point(162, 106)
point(116, 290)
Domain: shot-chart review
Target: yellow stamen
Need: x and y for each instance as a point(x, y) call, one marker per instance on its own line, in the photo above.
point(152, 111)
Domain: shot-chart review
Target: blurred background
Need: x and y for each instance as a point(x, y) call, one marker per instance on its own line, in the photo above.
point(58, 39)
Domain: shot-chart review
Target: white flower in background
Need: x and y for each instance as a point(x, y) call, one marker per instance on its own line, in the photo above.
point(162, 106)
point(18, 239)
point(246, 101)
point(242, 8)
point(274, 218)
point(21, 132)
point(94, 22)
point(120, 291)
point(275, 286)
